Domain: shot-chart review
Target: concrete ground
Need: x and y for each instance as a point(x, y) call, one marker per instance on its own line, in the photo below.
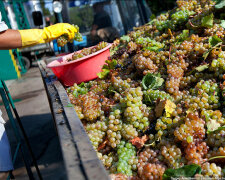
point(32, 105)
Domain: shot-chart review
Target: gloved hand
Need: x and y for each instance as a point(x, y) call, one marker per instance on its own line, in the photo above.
point(36, 36)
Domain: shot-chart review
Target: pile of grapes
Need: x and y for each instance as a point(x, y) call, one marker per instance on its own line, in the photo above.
point(157, 109)
point(62, 40)
point(87, 51)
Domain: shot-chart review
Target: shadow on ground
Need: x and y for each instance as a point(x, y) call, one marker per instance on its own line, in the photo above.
point(32, 105)
point(43, 139)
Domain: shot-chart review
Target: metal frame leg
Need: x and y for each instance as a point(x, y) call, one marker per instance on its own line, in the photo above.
point(7, 100)
point(18, 137)
point(22, 129)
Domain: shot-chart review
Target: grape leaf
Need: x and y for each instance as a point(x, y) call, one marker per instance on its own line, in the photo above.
point(151, 81)
point(113, 50)
point(207, 21)
point(111, 64)
point(214, 40)
point(169, 107)
point(103, 73)
point(125, 38)
point(185, 171)
point(148, 80)
point(159, 108)
point(152, 21)
point(82, 84)
point(139, 142)
point(75, 93)
point(222, 23)
point(202, 67)
point(153, 16)
point(220, 4)
point(183, 36)
point(212, 125)
point(154, 48)
point(166, 105)
point(205, 55)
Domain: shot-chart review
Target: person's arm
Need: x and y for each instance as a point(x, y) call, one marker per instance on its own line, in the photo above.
point(94, 29)
point(10, 39)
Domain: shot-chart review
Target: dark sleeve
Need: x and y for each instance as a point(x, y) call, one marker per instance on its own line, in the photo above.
point(108, 21)
point(95, 20)
point(102, 20)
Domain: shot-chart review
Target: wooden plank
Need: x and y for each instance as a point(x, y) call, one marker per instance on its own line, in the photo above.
point(80, 158)
point(71, 159)
point(92, 165)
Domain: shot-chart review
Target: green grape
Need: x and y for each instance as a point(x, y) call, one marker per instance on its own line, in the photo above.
point(125, 152)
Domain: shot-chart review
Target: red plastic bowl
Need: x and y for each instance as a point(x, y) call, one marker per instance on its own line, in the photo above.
point(80, 70)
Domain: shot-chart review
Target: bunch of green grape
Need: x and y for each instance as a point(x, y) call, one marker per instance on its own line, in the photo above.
point(63, 40)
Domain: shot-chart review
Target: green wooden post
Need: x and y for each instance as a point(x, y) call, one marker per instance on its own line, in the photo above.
point(8, 66)
point(22, 22)
point(4, 14)
point(20, 14)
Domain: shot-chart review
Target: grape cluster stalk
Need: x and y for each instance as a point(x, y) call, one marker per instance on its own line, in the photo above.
point(159, 102)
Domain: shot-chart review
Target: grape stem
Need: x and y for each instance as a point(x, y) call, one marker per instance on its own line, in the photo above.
point(191, 24)
point(216, 157)
point(148, 145)
point(170, 53)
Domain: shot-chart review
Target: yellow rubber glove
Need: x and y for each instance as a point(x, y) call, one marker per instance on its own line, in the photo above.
point(36, 36)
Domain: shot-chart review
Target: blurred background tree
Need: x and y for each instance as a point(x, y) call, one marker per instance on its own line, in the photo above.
point(82, 16)
point(159, 6)
point(46, 11)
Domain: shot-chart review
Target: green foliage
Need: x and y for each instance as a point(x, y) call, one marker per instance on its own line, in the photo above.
point(222, 23)
point(82, 16)
point(183, 36)
point(202, 67)
point(81, 89)
point(125, 38)
point(103, 73)
point(151, 81)
point(154, 48)
point(212, 125)
point(106, 68)
point(45, 10)
point(207, 21)
point(214, 40)
point(219, 129)
point(185, 171)
point(150, 44)
point(220, 4)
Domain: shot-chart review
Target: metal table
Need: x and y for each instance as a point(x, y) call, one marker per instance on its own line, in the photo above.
point(80, 159)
